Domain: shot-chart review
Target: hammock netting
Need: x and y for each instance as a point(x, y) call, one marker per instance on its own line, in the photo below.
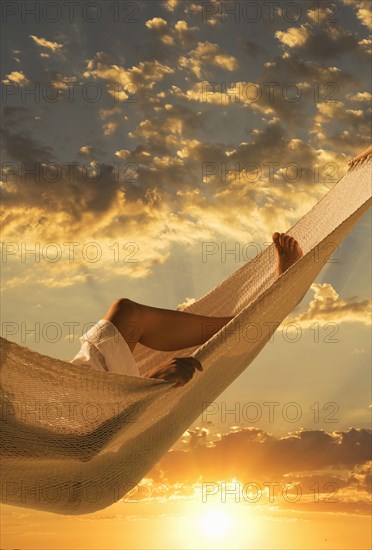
point(76, 440)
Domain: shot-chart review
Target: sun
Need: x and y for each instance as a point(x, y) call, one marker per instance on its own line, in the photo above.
point(215, 523)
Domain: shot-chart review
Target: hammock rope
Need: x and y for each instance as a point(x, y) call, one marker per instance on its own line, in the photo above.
point(75, 440)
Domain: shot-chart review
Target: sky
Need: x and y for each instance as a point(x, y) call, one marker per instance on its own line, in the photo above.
point(136, 135)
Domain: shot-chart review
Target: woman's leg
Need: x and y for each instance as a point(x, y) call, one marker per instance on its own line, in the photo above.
point(161, 329)
point(171, 330)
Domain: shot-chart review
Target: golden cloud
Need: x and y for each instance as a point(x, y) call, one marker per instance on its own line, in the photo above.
point(329, 307)
point(363, 11)
point(15, 77)
point(294, 36)
point(206, 55)
point(43, 43)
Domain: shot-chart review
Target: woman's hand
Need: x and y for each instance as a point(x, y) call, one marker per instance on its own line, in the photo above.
point(178, 369)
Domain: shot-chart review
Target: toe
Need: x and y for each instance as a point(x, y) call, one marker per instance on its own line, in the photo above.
point(291, 244)
point(275, 236)
point(298, 248)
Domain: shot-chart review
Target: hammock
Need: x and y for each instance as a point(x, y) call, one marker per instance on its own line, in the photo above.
point(76, 440)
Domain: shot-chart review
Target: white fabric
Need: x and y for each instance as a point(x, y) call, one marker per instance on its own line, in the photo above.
point(104, 348)
point(109, 430)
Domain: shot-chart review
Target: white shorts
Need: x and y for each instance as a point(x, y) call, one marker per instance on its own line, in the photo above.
point(104, 348)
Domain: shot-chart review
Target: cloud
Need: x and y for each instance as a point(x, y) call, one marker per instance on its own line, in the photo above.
point(109, 128)
point(185, 303)
point(172, 142)
point(336, 110)
point(289, 88)
point(180, 34)
point(146, 73)
point(178, 159)
point(160, 30)
point(356, 123)
point(364, 14)
point(363, 11)
point(207, 55)
point(135, 83)
point(320, 14)
point(293, 87)
point(294, 36)
point(251, 48)
point(270, 98)
point(344, 140)
point(184, 34)
point(360, 97)
point(15, 54)
point(365, 46)
point(337, 461)
point(31, 150)
point(329, 307)
point(156, 23)
point(171, 5)
point(209, 12)
point(53, 47)
point(15, 77)
point(58, 80)
point(320, 42)
point(86, 150)
point(81, 209)
point(162, 173)
point(292, 68)
point(237, 94)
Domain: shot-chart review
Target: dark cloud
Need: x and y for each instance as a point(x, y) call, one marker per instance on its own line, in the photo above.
point(294, 68)
point(324, 45)
point(347, 141)
point(252, 454)
point(23, 148)
point(323, 42)
point(14, 115)
point(171, 135)
point(251, 48)
point(35, 180)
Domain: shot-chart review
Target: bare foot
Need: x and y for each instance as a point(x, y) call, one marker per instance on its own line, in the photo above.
point(360, 157)
point(287, 252)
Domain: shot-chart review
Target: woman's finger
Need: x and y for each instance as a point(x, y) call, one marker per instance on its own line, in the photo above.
point(182, 363)
point(191, 361)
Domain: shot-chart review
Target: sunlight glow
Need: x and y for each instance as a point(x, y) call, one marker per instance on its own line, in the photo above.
point(216, 523)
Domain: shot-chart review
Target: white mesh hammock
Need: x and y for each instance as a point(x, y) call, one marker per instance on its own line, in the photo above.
point(75, 440)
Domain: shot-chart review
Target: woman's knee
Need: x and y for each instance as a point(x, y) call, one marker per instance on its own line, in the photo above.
point(123, 308)
point(122, 304)
point(124, 314)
